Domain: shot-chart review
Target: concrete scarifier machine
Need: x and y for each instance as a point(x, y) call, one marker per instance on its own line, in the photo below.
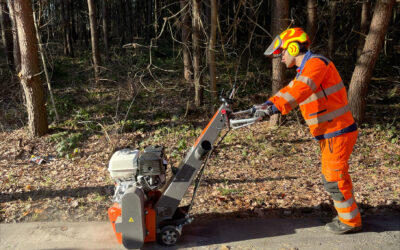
point(146, 205)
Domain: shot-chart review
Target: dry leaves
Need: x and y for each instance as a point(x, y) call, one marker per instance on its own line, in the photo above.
point(257, 172)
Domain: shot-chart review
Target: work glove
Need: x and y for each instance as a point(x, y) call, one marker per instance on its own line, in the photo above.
point(264, 110)
point(261, 111)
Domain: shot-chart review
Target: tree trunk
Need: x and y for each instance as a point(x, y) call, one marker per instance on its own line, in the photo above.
point(156, 6)
point(94, 39)
point(16, 50)
point(68, 28)
point(128, 15)
point(6, 32)
point(331, 39)
point(149, 20)
point(122, 22)
point(43, 57)
point(365, 16)
point(138, 19)
point(198, 99)
point(211, 50)
point(235, 23)
point(105, 29)
point(83, 34)
point(185, 27)
point(30, 73)
point(280, 14)
point(74, 18)
point(312, 19)
point(64, 26)
point(366, 62)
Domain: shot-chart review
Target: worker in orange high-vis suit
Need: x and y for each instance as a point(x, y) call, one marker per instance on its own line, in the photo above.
point(319, 91)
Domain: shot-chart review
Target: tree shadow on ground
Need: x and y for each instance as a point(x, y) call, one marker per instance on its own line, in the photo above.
point(105, 190)
point(50, 193)
point(257, 180)
point(228, 228)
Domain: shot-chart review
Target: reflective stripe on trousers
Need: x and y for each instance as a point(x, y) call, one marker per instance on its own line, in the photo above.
point(347, 210)
point(336, 152)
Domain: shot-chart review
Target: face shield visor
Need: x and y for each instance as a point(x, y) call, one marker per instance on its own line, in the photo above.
point(274, 48)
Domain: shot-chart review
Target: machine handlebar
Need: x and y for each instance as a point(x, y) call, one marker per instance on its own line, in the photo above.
point(243, 118)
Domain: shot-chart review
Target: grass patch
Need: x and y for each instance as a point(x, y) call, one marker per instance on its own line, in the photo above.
point(229, 191)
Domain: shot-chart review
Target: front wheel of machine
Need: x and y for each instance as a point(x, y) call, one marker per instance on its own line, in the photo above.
point(168, 236)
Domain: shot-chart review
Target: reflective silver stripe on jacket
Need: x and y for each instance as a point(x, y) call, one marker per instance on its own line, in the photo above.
point(344, 204)
point(350, 215)
point(320, 94)
point(321, 57)
point(327, 117)
point(291, 83)
point(289, 98)
point(307, 81)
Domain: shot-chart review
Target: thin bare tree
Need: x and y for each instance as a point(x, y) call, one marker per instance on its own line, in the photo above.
point(185, 31)
point(6, 33)
point(16, 50)
point(105, 28)
point(94, 39)
point(196, 27)
point(64, 6)
point(42, 53)
point(211, 50)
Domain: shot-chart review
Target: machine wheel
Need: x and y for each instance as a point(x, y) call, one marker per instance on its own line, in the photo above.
point(168, 236)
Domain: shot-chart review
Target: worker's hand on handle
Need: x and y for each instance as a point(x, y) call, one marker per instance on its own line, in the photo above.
point(263, 110)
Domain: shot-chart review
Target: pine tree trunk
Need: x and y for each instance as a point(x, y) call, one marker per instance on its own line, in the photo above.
point(235, 25)
point(6, 33)
point(155, 24)
point(366, 62)
point(138, 19)
point(68, 28)
point(94, 39)
point(149, 19)
point(211, 50)
point(185, 29)
point(365, 16)
point(16, 50)
point(312, 15)
point(105, 28)
point(74, 17)
point(128, 15)
point(30, 73)
point(64, 26)
point(280, 14)
point(198, 99)
point(122, 22)
point(331, 39)
point(82, 24)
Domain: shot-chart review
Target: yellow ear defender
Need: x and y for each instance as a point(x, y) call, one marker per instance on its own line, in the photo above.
point(293, 48)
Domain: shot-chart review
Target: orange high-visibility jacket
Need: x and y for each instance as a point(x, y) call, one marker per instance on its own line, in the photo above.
point(319, 91)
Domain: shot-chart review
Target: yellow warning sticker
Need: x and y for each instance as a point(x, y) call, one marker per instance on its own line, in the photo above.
point(131, 219)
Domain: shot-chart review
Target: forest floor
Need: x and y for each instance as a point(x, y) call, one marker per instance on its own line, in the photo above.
point(255, 171)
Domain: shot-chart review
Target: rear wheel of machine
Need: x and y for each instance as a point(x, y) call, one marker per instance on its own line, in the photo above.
point(168, 236)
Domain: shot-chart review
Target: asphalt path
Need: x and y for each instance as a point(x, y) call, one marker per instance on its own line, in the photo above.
point(379, 232)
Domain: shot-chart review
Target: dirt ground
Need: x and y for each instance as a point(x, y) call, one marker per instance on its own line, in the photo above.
point(255, 172)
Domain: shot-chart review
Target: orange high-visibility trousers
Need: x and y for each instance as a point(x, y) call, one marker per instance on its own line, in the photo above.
point(336, 152)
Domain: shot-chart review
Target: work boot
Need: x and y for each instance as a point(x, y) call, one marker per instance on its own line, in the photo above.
point(338, 227)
